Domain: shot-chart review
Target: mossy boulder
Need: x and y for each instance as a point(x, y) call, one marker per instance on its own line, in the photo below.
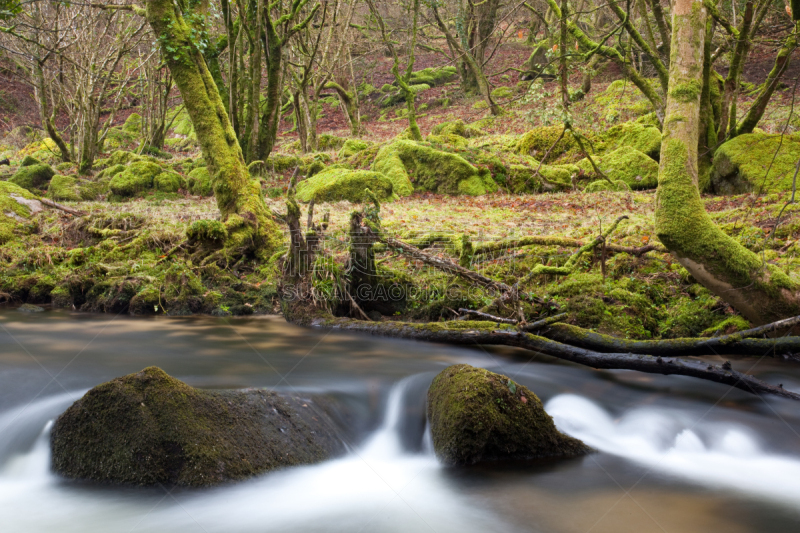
point(168, 182)
point(63, 188)
point(327, 142)
point(524, 179)
point(476, 415)
point(121, 157)
point(16, 206)
point(135, 179)
point(433, 76)
point(33, 177)
point(199, 182)
point(605, 185)
point(352, 147)
point(457, 127)
point(741, 164)
point(642, 137)
point(404, 162)
point(29, 160)
point(540, 143)
point(149, 428)
point(133, 124)
point(625, 164)
point(337, 184)
point(502, 93)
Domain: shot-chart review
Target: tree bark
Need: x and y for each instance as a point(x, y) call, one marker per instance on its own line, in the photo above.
point(760, 291)
point(248, 220)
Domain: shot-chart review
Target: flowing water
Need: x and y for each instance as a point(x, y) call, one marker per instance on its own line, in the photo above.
point(674, 454)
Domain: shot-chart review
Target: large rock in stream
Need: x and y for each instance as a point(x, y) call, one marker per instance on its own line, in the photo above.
point(149, 428)
point(476, 415)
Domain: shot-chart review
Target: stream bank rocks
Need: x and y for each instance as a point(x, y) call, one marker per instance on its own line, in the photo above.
point(476, 415)
point(149, 428)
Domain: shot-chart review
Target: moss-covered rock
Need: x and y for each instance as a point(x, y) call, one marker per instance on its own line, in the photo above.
point(741, 164)
point(352, 147)
point(476, 415)
point(29, 160)
point(605, 185)
point(63, 188)
point(199, 182)
point(433, 76)
point(133, 124)
point(642, 137)
point(33, 177)
point(337, 184)
point(540, 143)
point(16, 205)
point(457, 127)
point(327, 142)
point(168, 182)
point(625, 164)
point(136, 178)
point(502, 93)
point(149, 428)
point(524, 179)
point(432, 170)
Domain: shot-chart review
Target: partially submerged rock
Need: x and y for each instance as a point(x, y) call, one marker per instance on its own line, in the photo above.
point(476, 415)
point(741, 164)
point(149, 428)
point(30, 308)
point(336, 184)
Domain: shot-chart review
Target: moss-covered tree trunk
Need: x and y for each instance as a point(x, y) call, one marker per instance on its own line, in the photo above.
point(760, 291)
point(46, 113)
point(248, 220)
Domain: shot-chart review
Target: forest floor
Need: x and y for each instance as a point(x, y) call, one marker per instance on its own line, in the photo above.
point(64, 260)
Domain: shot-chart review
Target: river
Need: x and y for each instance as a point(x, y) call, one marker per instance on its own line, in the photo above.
point(674, 454)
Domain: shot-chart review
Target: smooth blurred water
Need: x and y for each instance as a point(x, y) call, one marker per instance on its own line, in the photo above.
point(674, 454)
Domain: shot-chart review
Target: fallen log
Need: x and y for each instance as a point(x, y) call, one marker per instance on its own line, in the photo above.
point(734, 344)
point(490, 333)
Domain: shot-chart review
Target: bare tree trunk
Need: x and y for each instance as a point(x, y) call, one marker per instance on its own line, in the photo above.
point(758, 290)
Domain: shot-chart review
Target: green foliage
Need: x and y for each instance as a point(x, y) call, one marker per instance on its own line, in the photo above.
point(336, 184)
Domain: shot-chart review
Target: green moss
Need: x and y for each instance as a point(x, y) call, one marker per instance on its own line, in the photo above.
point(538, 141)
point(480, 104)
point(136, 178)
point(352, 147)
point(121, 157)
point(63, 188)
point(476, 415)
point(118, 138)
point(149, 428)
point(502, 93)
point(146, 301)
point(642, 137)
point(168, 182)
point(11, 211)
point(33, 177)
point(207, 230)
point(338, 184)
point(430, 170)
point(625, 164)
point(199, 182)
point(621, 101)
point(741, 164)
point(688, 91)
point(29, 160)
point(133, 124)
point(457, 127)
point(327, 142)
point(604, 185)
